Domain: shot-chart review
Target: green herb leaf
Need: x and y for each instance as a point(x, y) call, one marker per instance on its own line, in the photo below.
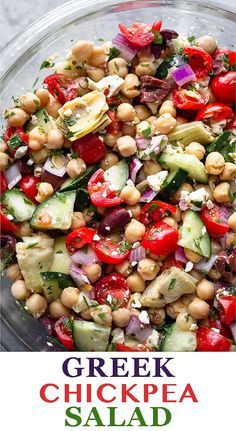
point(147, 132)
point(191, 38)
point(113, 53)
point(158, 37)
point(33, 244)
point(124, 247)
point(46, 64)
point(70, 121)
point(172, 284)
point(14, 142)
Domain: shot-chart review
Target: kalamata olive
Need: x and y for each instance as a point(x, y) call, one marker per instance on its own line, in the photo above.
point(52, 179)
point(24, 168)
point(156, 49)
point(7, 249)
point(114, 220)
point(168, 35)
point(47, 323)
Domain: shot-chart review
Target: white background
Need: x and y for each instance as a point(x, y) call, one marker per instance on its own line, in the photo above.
point(212, 377)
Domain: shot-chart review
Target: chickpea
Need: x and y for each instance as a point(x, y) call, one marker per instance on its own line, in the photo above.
point(221, 193)
point(98, 56)
point(199, 309)
point(93, 271)
point(184, 321)
point(111, 139)
point(188, 298)
point(118, 66)
point(124, 268)
point(95, 73)
point(13, 272)
point(232, 222)
point(192, 256)
point(45, 190)
point(126, 146)
point(16, 117)
point(196, 274)
point(109, 160)
point(231, 240)
point(82, 49)
point(128, 129)
point(88, 215)
point(148, 269)
point(125, 112)
point(75, 168)
point(142, 112)
point(77, 220)
point(165, 123)
point(130, 195)
point(37, 138)
point(207, 43)
point(23, 229)
point(55, 139)
point(4, 161)
point(57, 309)
point(82, 85)
point(168, 107)
point(86, 314)
point(229, 172)
point(134, 231)
point(135, 282)
point(151, 168)
point(43, 95)
point(214, 163)
point(102, 315)
point(135, 210)
point(19, 290)
point(205, 290)
point(174, 308)
point(146, 68)
point(29, 102)
point(3, 146)
point(157, 315)
point(53, 106)
point(143, 126)
point(36, 305)
point(121, 317)
point(215, 247)
point(171, 222)
point(70, 296)
point(186, 187)
point(39, 156)
point(129, 87)
point(196, 149)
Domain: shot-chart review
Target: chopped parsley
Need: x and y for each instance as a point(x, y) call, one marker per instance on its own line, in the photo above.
point(158, 37)
point(69, 134)
point(172, 284)
point(116, 66)
point(14, 142)
point(75, 155)
point(147, 132)
point(59, 252)
point(113, 53)
point(191, 38)
point(124, 247)
point(197, 243)
point(35, 82)
point(70, 121)
point(102, 316)
point(68, 67)
point(101, 39)
point(46, 64)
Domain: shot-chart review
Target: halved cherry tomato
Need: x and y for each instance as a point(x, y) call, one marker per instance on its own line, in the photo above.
point(28, 185)
point(215, 225)
point(215, 112)
point(231, 54)
point(140, 34)
point(232, 124)
point(161, 239)
point(62, 87)
point(115, 125)
point(224, 329)
point(199, 60)
point(123, 348)
point(189, 99)
point(90, 148)
point(156, 210)
point(15, 137)
point(223, 87)
point(100, 191)
point(112, 290)
point(209, 340)
point(169, 262)
point(6, 224)
point(63, 329)
point(78, 238)
point(111, 252)
point(227, 309)
point(3, 185)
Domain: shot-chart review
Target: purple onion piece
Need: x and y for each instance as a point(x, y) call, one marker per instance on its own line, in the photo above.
point(139, 330)
point(135, 166)
point(55, 181)
point(114, 220)
point(137, 254)
point(205, 265)
point(148, 196)
point(142, 143)
point(127, 49)
point(78, 275)
point(82, 258)
point(224, 213)
point(180, 255)
point(183, 74)
point(222, 285)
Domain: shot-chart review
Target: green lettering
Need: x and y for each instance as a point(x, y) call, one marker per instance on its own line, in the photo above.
point(113, 418)
point(74, 416)
point(155, 416)
point(137, 416)
point(94, 416)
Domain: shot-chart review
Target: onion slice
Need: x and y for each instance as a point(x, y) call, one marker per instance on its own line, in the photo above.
point(137, 254)
point(205, 265)
point(127, 49)
point(84, 258)
point(52, 169)
point(180, 255)
point(148, 196)
point(139, 330)
point(183, 74)
point(12, 175)
point(78, 275)
point(135, 166)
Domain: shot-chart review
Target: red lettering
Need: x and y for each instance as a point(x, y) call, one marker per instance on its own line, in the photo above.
point(147, 392)
point(126, 394)
point(67, 393)
point(188, 393)
point(43, 395)
point(166, 392)
point(100, 393)
point(89, 393)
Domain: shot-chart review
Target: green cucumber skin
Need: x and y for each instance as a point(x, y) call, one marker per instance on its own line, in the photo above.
point(74, 184)
point(90, 337)
point(63, 280)
point(192, 237)
point(172, 160)
point(118, 175)
point(169, 187)
point(81, 200)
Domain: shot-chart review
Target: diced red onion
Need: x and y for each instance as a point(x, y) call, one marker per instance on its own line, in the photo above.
point(180, 255)
point(52, 179)
point(224, 213)
point(127, 50)
point(183, 74)
point(233, 330)
point(205, 265)
point(222, 285)
point(140, 176)
point(135, 166)
point(25, 169)
point(223, 241)
point(12, 175)
point(78, 275)
point(183, 205)
point(82, 258)
point(148, 196)
point(142, 143)
point(156, 145)
point(137, 254)
point(139, 330)
point(52, 169)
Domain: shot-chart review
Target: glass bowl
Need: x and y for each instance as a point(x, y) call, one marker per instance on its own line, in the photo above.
point(54, 34)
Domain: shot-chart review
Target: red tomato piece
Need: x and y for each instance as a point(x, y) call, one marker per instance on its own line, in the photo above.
point(232, 124)
point(215, 225)
point(231, 55)
point(6, 225)
point(215, 112)
point(199, 60)
point(78, 238)
point(223, 87)
point(15, 137)
point(139, 348)
point(156, 210)
point(209, 340)
point(90, 148)
point(169, 262)
point(140, 34)
point(63, 329)
point(161, 239)
point(112, 290)
point(115, 125)
point(227, 309)
point(3, 186)
point(62, 87)
point(224, 329)
point(100, 191)
point(189, 99)
point(28, 185)
point(110, 252)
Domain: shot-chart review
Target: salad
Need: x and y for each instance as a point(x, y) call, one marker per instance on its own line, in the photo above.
point(118, 194)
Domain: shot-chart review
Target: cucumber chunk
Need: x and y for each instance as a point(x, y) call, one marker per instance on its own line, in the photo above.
point(75, 183)
point(117, 175)
point(172, 183)
point(90, 337)
point(193, 235)
point(189, 132)
point(82, 198)
point(44, 121)
point(57, 210)
point(18, 205)
point(177, 340)
point(61, 258)
point(53, 283)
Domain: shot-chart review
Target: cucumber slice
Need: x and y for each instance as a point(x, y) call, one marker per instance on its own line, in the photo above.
point(61, 258)
point(179, 341)
point(90, 337)
point(193, 235)
point(44, 121)
point(189, 132)
point(18, 205)
point(117, 175)
point(58, 208)
point(172, 183)
point(53, 283)
point(73, 184)
point(82, 198)
point(173, 160)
